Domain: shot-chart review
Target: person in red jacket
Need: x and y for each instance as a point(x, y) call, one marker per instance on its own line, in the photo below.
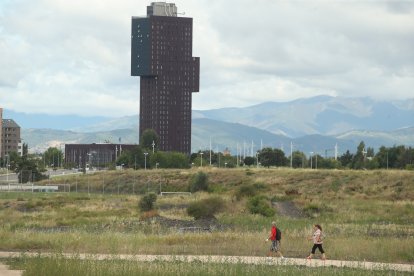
point(275, 247)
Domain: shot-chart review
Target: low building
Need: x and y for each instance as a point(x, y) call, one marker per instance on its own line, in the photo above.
point(93, 155)
point(10, 138)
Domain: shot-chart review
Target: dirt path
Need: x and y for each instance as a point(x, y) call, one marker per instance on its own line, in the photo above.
point(227, 259)
point(5, 271)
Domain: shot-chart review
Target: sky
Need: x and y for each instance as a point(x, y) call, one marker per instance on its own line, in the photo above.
point(64, 57)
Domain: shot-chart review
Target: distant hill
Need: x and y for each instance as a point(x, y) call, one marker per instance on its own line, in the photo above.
point(313, 124)
point(41, 139)
point(62, 122)
point(228, 135)
point(323, 115)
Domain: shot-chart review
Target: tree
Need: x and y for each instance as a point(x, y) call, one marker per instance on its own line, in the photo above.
point(13, 159)
point(133, 158)
point(328, 163)
point(346, 159)
point(358, 161)
point(272, 157)
point(169, 160)
point(148, 137)
point(298, 159)
point(25, 149)
point(248, 160)
point(27, 170)
point(266, 157)
point(53, 157)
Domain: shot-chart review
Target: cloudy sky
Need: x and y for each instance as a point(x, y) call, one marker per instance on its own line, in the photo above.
point(73, 57)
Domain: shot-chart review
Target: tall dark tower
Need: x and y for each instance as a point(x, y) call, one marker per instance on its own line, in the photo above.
point(161, 54)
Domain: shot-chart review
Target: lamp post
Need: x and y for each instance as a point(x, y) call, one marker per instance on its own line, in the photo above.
point(225, 164)
point(89, 160)
point(153, 146)
point(311, 153)
point(201, 159)
point(7, 170)
point(387, 160)
point(145, 162)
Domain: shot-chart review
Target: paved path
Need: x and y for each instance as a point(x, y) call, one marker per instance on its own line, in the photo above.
point(227, 259)
point(4, 271)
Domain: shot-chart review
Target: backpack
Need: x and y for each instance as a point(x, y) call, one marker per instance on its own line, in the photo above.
point(278, 234)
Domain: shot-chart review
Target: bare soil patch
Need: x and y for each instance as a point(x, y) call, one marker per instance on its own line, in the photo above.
point(289, 209)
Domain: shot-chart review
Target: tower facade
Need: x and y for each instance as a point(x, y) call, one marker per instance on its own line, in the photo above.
point(161, 54)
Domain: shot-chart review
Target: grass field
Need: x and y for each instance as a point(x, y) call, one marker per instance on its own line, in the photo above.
point(366, 215)
point(73, 266)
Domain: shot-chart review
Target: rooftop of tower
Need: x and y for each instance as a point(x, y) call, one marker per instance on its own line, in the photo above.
point(162, 9)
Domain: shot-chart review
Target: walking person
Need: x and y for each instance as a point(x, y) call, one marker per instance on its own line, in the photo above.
point(317, 238)
point(275, 237)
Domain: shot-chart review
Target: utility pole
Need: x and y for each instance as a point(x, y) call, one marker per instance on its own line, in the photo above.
point(311, 153)
point(237, 154)
point(210, 151)
point(145, 160)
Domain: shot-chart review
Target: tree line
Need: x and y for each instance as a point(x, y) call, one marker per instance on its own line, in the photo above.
point(31, 167)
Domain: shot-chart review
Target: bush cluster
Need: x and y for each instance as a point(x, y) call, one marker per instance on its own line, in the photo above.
point(247, 190)
point(260, 205)
point(199, 182)
point(147, 202)
point(205, 208)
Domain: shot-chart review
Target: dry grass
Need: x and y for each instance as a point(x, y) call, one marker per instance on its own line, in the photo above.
point(366, 214)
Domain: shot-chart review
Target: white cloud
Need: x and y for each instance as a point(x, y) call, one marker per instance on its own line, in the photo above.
point(63, 57)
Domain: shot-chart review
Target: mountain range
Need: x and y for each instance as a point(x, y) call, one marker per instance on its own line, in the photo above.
point(311, 124)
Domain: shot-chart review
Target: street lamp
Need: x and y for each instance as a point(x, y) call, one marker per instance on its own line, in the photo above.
point(311, 153)
point(201, 160)
point(7, 169)
point(225, 164)
point(387, 160)
point(89, 161)
point(153, 146)
point(145, 163)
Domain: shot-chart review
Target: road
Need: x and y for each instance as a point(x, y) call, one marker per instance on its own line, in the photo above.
point(11, 177)
point(227, 259)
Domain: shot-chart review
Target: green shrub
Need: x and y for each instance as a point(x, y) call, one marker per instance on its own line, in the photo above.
point(199, 182)
point(205, 208)
point(409, 167)
point(260, 205)
point(249, 190)
point(245, 191)
point(147, 202)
